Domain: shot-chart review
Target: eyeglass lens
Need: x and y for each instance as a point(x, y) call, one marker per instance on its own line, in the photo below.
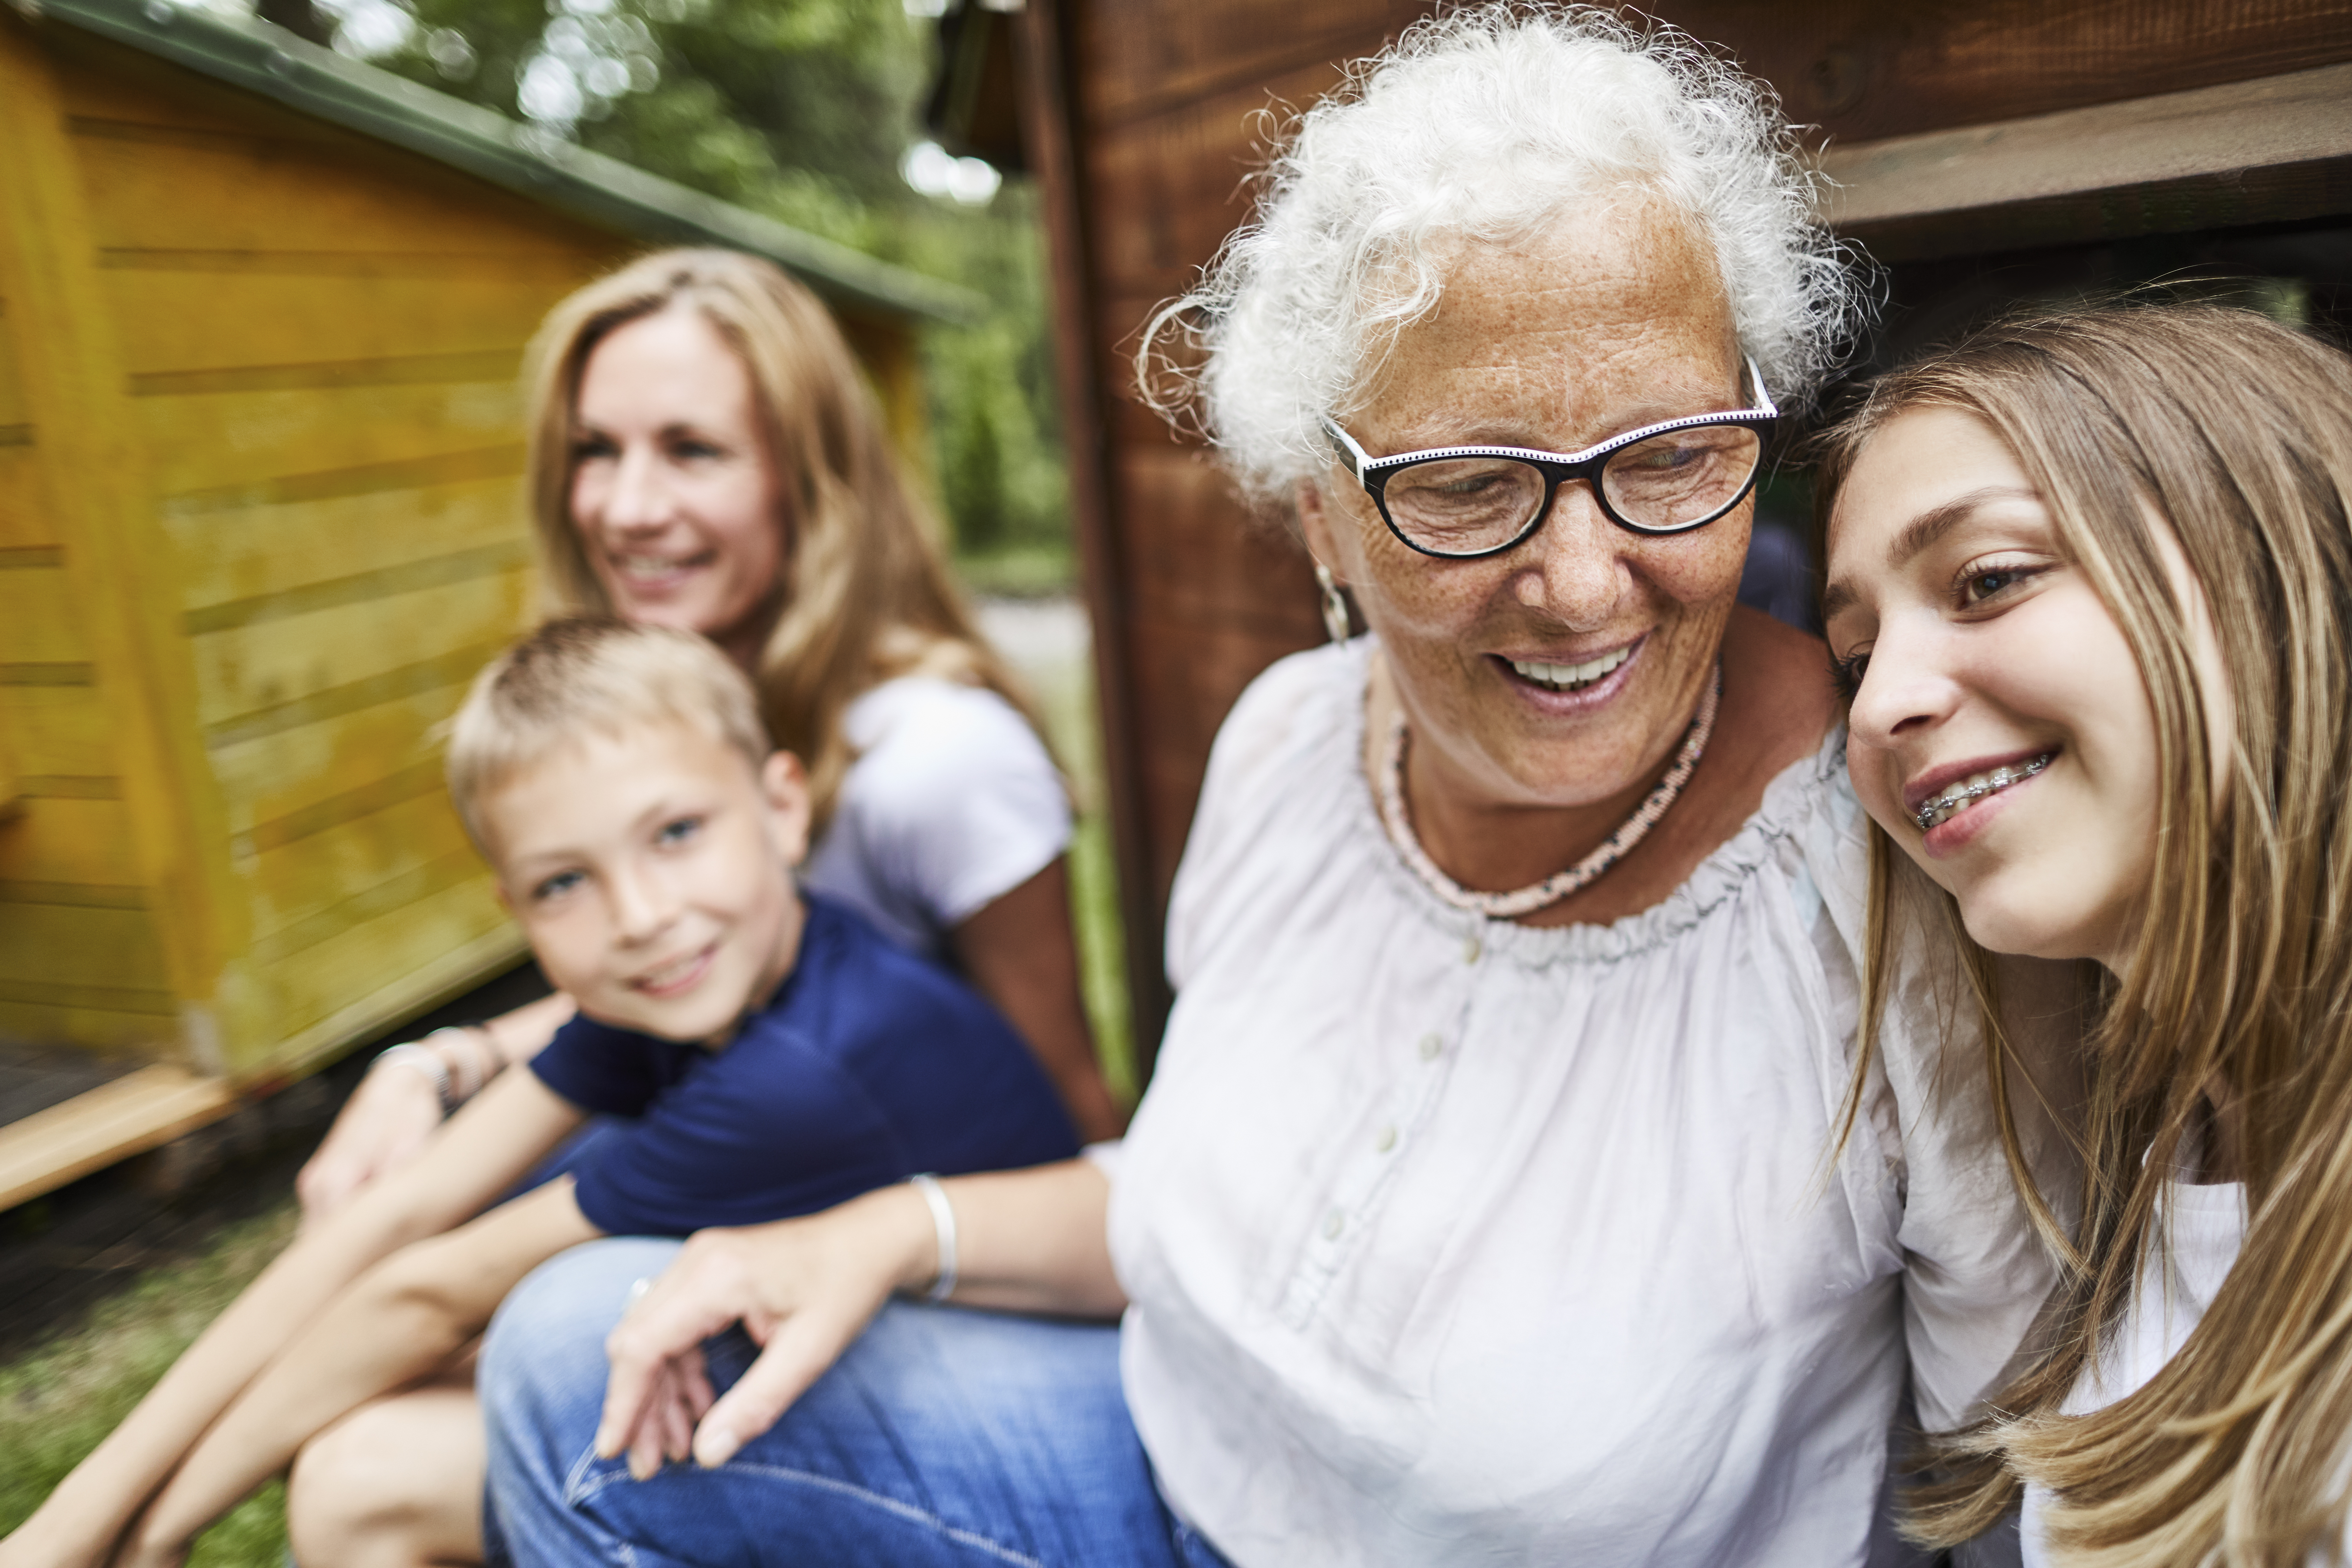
point(1460, 506)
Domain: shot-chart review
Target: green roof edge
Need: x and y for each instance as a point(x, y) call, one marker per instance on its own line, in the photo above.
point(268, 61)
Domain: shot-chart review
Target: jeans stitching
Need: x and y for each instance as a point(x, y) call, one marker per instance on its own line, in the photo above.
point(907, 1512)
point(578, 1489)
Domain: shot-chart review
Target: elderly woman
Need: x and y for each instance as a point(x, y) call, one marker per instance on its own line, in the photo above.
point(1507, 1190)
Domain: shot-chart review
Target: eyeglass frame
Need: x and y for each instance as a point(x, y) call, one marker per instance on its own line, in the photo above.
point(1557, 468)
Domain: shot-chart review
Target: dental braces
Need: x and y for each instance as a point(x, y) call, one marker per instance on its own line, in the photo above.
point(2002, 777)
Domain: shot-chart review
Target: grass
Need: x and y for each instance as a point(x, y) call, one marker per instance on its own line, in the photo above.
point(59, 1399)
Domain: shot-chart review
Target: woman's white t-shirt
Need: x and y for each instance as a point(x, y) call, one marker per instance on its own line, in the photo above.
point(1454, 1240)
point(2200, 1230)
point(952, 802)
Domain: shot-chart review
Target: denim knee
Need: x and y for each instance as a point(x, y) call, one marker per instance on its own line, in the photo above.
point(545, 1348)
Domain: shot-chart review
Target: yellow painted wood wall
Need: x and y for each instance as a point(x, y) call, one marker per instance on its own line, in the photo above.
point(259, 525)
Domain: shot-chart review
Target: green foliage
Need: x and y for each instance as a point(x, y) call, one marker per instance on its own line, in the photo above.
point(801, 109)
point(57, 1403)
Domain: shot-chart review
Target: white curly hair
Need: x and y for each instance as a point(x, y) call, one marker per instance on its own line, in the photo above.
point(1486, 123)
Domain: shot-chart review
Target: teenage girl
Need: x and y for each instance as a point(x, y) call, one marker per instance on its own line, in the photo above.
point(2090, 595)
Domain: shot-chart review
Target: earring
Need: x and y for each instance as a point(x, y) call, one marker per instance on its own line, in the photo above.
point(1335, 608)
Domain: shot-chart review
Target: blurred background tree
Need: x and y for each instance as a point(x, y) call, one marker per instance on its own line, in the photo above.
point(807, 111)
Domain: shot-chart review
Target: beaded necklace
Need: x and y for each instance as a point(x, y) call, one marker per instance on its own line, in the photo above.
point(1585, 872)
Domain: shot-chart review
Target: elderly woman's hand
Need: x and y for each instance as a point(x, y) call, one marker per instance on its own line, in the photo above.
point(802, 1288)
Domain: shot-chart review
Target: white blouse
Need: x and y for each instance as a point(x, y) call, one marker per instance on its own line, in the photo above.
point(952, 802)
point(1452, 1240)
point(2198, 1230)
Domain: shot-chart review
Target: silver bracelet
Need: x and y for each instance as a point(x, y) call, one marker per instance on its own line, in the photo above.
point(408, 1053)
point(943, 1224)
point(470, 1071)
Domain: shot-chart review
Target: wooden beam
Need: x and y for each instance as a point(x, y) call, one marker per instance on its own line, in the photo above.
point(1048, 128)
point(95, 1128)
point(96, 491)
point(2272, 150)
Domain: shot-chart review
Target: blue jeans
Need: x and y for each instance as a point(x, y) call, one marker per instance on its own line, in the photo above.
point(942, 1437)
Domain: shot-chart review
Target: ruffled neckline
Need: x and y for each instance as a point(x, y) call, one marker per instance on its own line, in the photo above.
point(1794, 797)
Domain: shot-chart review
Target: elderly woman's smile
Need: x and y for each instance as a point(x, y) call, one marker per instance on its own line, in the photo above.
point(1563, 671)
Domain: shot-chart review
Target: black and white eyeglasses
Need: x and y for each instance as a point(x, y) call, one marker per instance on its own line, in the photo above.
point(1461, 502)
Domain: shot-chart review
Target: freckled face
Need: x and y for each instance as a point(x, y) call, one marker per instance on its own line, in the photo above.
point(1996, 690)
point(1612, 320)
point(652, 872)
point(673, 492)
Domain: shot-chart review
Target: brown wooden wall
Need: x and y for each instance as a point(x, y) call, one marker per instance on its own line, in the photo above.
point(1142, 119)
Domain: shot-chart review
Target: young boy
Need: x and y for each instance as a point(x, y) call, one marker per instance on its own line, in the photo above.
point(779, 1054)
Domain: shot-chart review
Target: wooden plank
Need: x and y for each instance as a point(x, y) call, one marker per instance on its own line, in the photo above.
point(1862, 70)
point(302, 177)
point(302, 202)
point(40, 620)
point(1212, 599)
point(339, 989)
point(433, 573)
point(59, 839)
point(297, 665)
point(16, 414)
point(100, 1126)
point(240, 556)
point(1167, 189)
point(58, 731)
point(217, 439)
point(98, 950)
point(1143, 57)
point(24, 516)
point(355, 870)
point(103, 1029)
point(439, 972)
point(279, 776)
point(97, 499)
point(180, 322)
point(1191, 674)
point(2272, 150)
point(1049, 136)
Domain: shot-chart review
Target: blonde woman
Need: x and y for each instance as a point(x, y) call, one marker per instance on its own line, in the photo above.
point(2091, 589)
point(704, 454)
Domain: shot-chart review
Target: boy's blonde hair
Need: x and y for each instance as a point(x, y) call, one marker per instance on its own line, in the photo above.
point(592, 674)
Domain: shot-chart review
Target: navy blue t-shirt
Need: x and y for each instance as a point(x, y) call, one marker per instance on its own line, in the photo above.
point(868, 1066)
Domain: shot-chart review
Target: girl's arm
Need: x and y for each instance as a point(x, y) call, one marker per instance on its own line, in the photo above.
point(1019, 951)
point(394, 1112)
point(403, 1318)
point(1029, 1241)
point(480, 1154)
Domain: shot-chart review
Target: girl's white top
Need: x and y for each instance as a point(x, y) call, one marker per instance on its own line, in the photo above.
point(2200, 1229)
point(1452, 1240)
point(951, 803)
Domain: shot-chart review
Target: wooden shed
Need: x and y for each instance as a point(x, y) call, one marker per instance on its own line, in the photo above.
point(261, 309)
point(1983, 150)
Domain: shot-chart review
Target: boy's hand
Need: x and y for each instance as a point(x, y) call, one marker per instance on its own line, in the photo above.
point(802, 1288)
point(387, 1123)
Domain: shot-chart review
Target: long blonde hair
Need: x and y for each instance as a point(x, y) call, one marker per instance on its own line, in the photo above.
point(865, 596)
point(2238, 433)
